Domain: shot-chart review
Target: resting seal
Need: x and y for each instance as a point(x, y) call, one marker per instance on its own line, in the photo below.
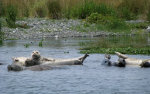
point(36, 59)
point(36, 62)
point(145, 63)
point(119, 63)
point(134, 61)
point(106, 60)
point(72, 61)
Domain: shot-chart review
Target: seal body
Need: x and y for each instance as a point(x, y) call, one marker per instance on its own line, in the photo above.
point(42, 63)
point(73, 61)
point(134, 61)
point(119, 63)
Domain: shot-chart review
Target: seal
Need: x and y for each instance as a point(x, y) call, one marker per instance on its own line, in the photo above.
point(145, 63)
point(134, 61)
point(106, 60)
point(37, 62)
point(36, 59)
point(119, 63)
point(72, 61)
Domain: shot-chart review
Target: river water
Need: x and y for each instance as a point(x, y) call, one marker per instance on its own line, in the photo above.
point(89, 78)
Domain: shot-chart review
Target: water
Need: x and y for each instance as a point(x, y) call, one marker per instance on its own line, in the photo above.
point(90, 78)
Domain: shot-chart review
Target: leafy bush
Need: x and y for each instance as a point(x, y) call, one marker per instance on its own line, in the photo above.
point(99, 19)
point(54, 9)
point(11, 16)
point(110, 21)
point(94, 18)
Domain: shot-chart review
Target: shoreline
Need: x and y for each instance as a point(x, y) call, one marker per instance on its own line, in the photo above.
point(46, 28)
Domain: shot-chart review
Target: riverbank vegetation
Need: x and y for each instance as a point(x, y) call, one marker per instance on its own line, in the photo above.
point(95, 15)
point(106, 15)
point(138, 44)
point(124, 9)
point(1, 33)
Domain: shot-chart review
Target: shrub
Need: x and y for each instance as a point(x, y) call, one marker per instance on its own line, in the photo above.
point(0, 25)
point(85, 9)
point(148, 15)
point(117, 24)
point(106, 10)
point(109, 21)
point(1, 33)
point(11, 16)
point(132, 8)
point(26, 12)
point(126, 14)
point(54, 9)
point(94, 18)
point(2, 9)
point(41, 12)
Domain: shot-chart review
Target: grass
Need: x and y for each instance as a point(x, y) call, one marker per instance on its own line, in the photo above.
point(76, 8)
point(148, 15)
point(54, 9)
point(41, 43)
point(26, 45)
point(11, 16)
point(124, 44)
point(128, 50)
point(1, 33)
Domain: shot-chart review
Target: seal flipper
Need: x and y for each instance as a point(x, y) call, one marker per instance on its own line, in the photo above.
point(83, 58)
point(121, 55)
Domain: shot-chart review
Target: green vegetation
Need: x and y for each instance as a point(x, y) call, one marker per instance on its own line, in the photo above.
point(54, 9)
point(1, 33)
point(88, 7)
point(41, 43)
point(124, 44)
point(40, 12)
point(26, 45)
point(148, 15)
point(128, 50)
point(106, 15)
point(2, 10)
point(109, 22)
point(11, 16)
point(0, 25)
point(126, 9)
point(126, 14)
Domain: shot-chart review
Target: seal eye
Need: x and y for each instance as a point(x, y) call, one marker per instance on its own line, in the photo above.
point(37, 52)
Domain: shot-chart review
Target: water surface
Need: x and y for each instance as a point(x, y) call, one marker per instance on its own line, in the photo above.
point(90, 78)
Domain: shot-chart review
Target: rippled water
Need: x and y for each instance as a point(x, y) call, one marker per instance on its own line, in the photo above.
point(90, 78)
